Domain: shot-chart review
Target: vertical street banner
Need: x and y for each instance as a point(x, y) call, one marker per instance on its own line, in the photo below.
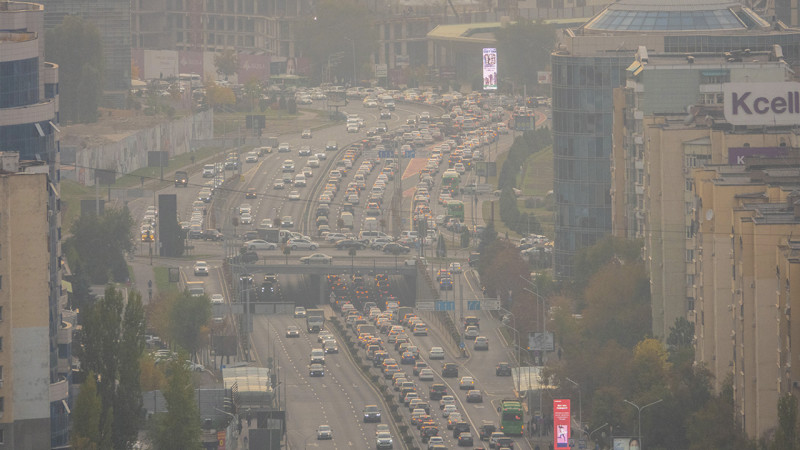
point(489, 69)
point(561, 423)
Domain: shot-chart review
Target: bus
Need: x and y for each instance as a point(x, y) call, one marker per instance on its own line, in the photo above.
point(455, 209)
point(192, 79)
point(511, 417)
point(450, 180)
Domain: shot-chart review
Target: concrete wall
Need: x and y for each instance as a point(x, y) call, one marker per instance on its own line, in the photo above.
point(130, 152)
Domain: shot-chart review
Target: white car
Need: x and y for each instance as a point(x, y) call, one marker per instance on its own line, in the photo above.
point(251, 157)
point(260, 244)
point(436, 353)
point(352, 128)
point(217, 299)
point(449, 409)
point(317, 258)
point(294, 195)
point(455, 267)
point(426, 375)
point(201, 268)
point(313, 161)
point(302, 244)
point(246, 219)
point(324, 432)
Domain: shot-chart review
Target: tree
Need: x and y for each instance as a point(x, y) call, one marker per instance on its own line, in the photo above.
point(227, 62)
point(679, 341)
point(189, 318)
point(217, 95)
point(339, 31)
point(524, 49)
point(150, 376)
point(786, 435)
point(76, 47)
point(86, 421)
point(253, 91)
point(113, 344)
point(99, 245)
point(179, 427)
point(713, 426)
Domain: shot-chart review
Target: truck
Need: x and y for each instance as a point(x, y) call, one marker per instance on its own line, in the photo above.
point(196, 288)
point(366, 329)
point(401, 312)
point(315, 319)
point(270, 235)
point(181, 178)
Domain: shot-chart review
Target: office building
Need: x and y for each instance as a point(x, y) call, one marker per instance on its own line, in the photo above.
point(590, 62)
point(657, 142)
point(35, 345)
point(113, 20)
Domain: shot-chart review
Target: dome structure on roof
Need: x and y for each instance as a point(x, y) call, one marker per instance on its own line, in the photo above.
point(675, 16)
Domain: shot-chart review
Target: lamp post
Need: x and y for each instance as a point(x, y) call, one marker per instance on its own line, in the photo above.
point(580, 404)
point(516, 343)
point(639, 410)
point(597, 429)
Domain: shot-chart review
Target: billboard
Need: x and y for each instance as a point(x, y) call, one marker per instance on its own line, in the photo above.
point(626, 444)
point(489, 69)
point(736, 155)
point(544, 77)
point(762, 103)
point(561, 423)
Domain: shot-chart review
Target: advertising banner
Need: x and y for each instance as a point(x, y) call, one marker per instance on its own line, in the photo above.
point(191, 62)
point(736, 155)
point(762, 103)
point(561, 423)
point(544, 77)
point(626, 444)
point(490, 69)
point(253, 67)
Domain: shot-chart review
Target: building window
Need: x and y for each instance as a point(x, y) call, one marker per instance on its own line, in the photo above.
point(1, 343)
point(690, 303)
point(689, 279)
point(689, 255)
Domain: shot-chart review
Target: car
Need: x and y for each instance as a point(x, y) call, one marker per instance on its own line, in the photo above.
point(278, 185)
point(503, 369)
point(455, 267)
point(212, 235)
point(304, 151)
point(330, 346)
point(383, 440)
point(494, 439)
point(395, 248)
point(481, 343)
point(194, 367)
point(287, 222)
point(352, 128)
point(201, 268)
point(446, 400)
point(436, 353)
point(471, 332)
point(324, 335)
point(260, 244)
point(324, 432)
point(292, 331)
point(306, 134)
point(316, 370)
point(346, 244)
point(302, 244)
point(386, 114)
point(459, 426)
point(449, 370)
point(317, 258)
point(382, 428)
point(448, 409)
point(466, 383)
point(372, 413)
point(465, 440)
point(300, 312)
point(437, 391)
point(474, 396)
point(446, 284)
point(217, 299)
point(288, 166)
point(294, 195)
point(426, 375)
point(250, 193)
point(284, 147)
point(486, 429)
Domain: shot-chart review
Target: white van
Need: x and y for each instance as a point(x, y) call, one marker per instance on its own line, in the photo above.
point(347, 220)
point(300, 180)
point(209, 171)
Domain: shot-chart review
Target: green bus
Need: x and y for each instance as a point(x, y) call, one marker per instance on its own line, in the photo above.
point(511, 417)
point(455, 209)
point(450, 180)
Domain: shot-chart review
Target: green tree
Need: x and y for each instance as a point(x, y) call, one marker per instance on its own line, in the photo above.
point(786, 434)
point(189, 318)
point(226, 62)
point(253, 91)
point(76, 47)
point(99, 245)
point(85, 417)
point(218, 96)
point(713, 425)
point(523, 49)
point(112, 346)
point(179, 427)
point(679, 341)
point(339, 31)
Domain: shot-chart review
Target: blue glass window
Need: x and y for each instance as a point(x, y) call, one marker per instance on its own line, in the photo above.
point(19, 82)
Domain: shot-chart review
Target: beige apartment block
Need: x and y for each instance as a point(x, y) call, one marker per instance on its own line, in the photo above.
point(746, 216)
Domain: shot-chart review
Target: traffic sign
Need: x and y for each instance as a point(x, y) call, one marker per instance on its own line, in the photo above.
point(445, 306)
point(474, 305)
point(491, 305)
point(425, 306)
point(385, 153)
point(410, 154)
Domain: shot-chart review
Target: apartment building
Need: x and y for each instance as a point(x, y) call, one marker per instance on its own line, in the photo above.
point(35, 344)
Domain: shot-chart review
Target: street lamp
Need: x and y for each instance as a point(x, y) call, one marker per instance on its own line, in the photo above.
point(580, 404)
point(597, 429)
point(516, 343)
point(639, 409)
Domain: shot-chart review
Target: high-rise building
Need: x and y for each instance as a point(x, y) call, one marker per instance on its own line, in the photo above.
point(113, 20)
point(35, 344)
point(651, 165)
point(591, 61)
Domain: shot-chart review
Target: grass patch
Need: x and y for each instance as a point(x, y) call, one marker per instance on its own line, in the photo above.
point(71, 195)
point(163, 286)
point(134, 179)
point(499, 225)
point(537, 182)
